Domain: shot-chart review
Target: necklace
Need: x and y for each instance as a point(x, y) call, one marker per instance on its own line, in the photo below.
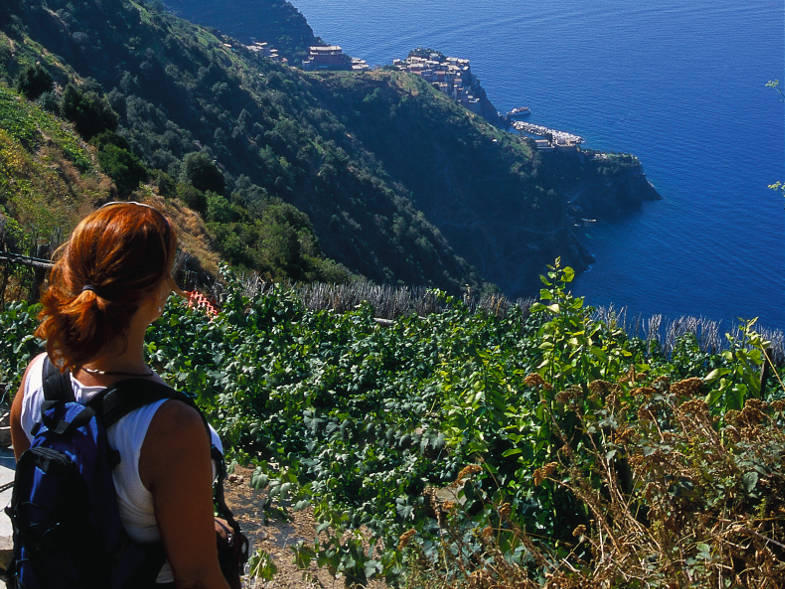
point(149, 372)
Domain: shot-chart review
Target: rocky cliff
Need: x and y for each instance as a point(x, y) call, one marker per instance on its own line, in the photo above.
point(597, 184)
point(504, 206)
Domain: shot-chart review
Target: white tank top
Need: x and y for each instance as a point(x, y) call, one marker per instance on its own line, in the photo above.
point(126, 436)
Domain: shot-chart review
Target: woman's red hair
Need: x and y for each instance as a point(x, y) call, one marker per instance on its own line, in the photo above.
point(116, 256)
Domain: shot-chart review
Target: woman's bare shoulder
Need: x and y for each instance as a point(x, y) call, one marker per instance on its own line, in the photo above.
point(176, 417)
point(176, 437)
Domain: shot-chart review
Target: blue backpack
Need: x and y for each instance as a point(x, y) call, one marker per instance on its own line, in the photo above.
point(66, 521)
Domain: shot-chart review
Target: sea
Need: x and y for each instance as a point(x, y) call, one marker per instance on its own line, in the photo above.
point(679, 83)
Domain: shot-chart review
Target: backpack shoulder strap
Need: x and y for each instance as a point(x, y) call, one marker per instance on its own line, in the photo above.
point(56, 384)
point(124, 396)
point(127, 395)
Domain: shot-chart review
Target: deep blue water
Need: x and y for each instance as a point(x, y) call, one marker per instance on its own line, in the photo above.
point(678, 83)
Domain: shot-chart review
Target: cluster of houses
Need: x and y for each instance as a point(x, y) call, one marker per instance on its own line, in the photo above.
point(451, 75)
point(264, 49)
point(320, 57)
point(331, 57)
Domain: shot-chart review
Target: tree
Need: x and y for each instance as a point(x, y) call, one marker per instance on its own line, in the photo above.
point(123, 167)
point(192, 196)
point(219, 209)
point(119, 162)
point(89, 111)
point(200, 170)
point(33, 81)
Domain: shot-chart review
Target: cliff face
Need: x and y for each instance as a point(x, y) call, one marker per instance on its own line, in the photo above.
point(487, 109)
point(599, 185)
point(490, 193)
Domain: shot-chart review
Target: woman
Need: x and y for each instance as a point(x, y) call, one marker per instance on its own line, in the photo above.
point(108, 285)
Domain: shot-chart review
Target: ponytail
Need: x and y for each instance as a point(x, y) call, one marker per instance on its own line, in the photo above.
point(115, 257)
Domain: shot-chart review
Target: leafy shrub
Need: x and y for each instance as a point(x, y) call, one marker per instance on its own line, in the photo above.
point(33, 81)
point(89, 111)
point(119, 163)
point(200, 170)
point(18, 345)
point(49, 101)
point(192, 196)
point(220, 209)
point(672, 501)
point(165, 184)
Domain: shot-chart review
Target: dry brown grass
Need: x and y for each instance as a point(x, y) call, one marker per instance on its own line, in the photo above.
point(193, 236)
point(706, 507)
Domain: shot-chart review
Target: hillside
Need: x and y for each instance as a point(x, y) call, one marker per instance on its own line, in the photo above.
point(48, 173)
point(290, 171)
point(50, 177)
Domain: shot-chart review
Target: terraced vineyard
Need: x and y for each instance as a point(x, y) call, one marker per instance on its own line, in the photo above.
point(488, 449)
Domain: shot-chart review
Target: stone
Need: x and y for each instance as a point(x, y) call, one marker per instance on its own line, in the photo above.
point(6, 531)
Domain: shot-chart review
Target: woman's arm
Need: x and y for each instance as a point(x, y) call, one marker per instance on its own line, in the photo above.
point(175, 466)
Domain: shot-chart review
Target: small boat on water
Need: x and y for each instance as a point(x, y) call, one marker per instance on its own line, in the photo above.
point(520, 111)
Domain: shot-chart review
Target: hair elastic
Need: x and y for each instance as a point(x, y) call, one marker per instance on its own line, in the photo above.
point(90, 287)
point(138, 204)
point(128, 202)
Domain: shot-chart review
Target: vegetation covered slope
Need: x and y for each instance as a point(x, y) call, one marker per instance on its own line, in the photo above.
point(49, 176)
point(377, 171)
point(486, 190)
point(47, 171)
point(177, 90)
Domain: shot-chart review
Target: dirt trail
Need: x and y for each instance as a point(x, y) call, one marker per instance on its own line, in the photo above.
point(277, 537)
